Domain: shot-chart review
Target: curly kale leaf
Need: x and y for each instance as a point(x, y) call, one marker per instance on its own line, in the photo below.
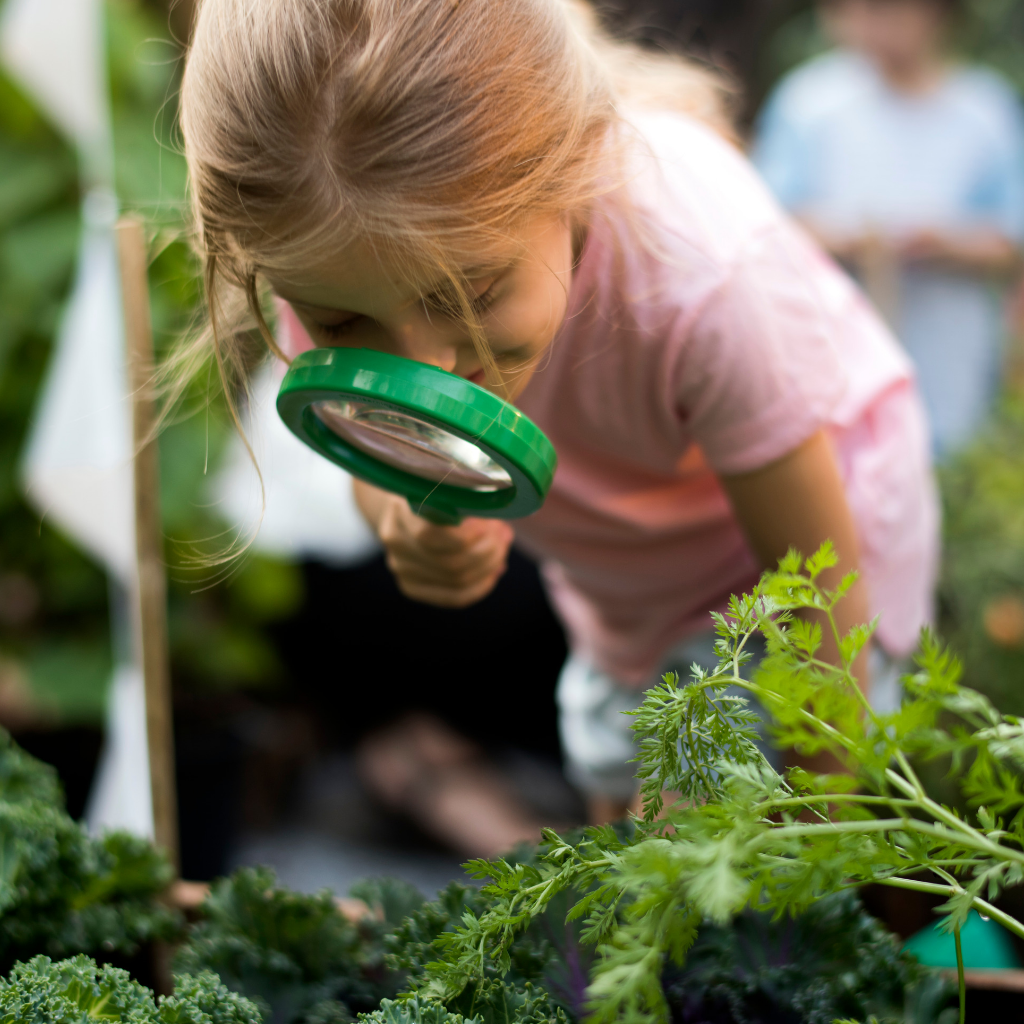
point(413, 1011)
point(391, 900)
point(420, 939)
point(295, 953)
point(78, 990)
point(117, 907)
point(24, 779)
point(62, 892)
point(498, 1002)
point(489, 1001)
point(412, 944)
point(42, 851)
point(72, 991)
point(205, 999)
point(832, 961)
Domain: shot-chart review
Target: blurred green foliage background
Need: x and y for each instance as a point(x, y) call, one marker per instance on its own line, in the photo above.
point(991, 31)
point(55, 648)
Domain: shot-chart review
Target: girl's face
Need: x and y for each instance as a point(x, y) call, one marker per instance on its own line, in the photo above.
point(520, 290)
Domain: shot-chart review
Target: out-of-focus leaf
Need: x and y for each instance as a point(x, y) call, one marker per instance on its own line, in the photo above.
point(41, 253)
point(71, 678)
point(267, 588)
point(31, 181)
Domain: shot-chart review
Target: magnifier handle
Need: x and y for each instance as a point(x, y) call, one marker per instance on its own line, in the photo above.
point(435, 515)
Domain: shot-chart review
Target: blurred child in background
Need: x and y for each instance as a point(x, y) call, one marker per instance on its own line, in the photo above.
point(910, 169)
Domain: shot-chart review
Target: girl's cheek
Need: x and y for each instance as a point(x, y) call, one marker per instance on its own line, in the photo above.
point(549, 318)
point(538, 321)
point(526, 341)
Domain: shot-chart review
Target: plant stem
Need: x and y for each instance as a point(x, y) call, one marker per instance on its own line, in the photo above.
point(982, 906)
point(970, 836)
point(689, 736)
point(850, 746)
point(838, 798)
point(940, 832)
point(815, 828)
point(961, 984)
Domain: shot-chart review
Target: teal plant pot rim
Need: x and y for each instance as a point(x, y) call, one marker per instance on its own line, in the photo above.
point(986, 946)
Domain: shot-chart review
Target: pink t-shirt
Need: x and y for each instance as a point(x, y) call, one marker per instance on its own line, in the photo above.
point(707, 335)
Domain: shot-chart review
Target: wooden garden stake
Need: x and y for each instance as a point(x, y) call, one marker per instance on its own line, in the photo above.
point(150, 616)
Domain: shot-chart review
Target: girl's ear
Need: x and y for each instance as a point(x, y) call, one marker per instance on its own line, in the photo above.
point(578, 224)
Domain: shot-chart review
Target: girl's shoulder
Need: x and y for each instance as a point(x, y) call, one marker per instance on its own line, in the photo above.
point(695, 193)
point(986, 98)
point(818, 89)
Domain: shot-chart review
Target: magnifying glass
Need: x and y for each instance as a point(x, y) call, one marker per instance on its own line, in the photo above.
point(450, 447)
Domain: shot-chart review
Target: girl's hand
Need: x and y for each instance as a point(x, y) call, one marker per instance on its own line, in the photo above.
point(448, 566)
point(977, 251)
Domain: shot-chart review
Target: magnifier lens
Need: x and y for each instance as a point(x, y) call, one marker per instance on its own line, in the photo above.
point(412, 444)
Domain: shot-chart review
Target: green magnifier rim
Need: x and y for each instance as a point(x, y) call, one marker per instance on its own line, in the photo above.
point(517, 444)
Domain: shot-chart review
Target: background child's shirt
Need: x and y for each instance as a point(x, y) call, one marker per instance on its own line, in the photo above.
point(838, 144)
point(706, 335)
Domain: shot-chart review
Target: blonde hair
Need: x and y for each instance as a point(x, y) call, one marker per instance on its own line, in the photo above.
point(420, 126)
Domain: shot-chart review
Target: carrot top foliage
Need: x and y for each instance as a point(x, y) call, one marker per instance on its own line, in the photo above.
point(722, 832)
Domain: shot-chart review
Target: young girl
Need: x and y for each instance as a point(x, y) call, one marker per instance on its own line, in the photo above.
point(490, 187)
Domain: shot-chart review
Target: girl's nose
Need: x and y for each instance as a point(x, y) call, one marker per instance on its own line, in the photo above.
point(425, 341)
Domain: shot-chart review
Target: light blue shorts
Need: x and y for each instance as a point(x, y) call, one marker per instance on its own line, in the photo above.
point(597, 736)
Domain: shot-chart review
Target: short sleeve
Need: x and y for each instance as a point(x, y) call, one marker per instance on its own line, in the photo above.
point(759, 370)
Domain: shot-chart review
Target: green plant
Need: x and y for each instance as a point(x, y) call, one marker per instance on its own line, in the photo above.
point(488, 1002)
point(55, 648)
point(25, 779)
point(832, 960)
point(983, 560)
point(297, 955)
point(739, 835)
point(77, 990)
point(62, 892)
point(492, 1002)
point(416, 941)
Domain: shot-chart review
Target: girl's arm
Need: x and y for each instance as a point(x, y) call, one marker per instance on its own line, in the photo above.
point(984, 251)
point(799, 501)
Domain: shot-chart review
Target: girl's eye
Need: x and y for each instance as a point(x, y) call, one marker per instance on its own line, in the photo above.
point(486, 298)
point(447, 305)
point(341, 329)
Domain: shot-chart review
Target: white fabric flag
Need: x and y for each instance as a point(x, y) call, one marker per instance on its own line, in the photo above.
point(54, 48)
point(77, 466)
point(121, 797)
